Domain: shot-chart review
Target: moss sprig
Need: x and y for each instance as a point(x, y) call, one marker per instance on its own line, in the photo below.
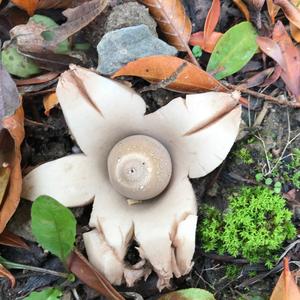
point(254, 226)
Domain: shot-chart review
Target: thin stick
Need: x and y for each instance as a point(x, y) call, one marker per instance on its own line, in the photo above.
point(265, 150)
point(263, 96)
point(164, 83)
point(288, 143)
point(11, 265)
point(191, 55)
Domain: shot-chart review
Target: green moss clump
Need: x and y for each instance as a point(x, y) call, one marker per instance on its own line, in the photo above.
point(244, 155)
point(255, 226)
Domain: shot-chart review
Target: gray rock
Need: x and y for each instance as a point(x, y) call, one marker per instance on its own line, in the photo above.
point(119, 47)
point(130, 14)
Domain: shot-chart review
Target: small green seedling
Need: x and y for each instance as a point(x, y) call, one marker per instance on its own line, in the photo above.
point(197, 51)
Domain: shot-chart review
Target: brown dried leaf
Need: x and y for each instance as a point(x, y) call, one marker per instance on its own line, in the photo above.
point(272, 10)
point(38, 79)
point(286, 287)
point(15, 126)
point(256, 5)
point(80, 267)
point(243, 8)
point(160, 67)
point(283, 51)
point(11, 136)
point(29, 38)
point(49, 102)
point(173, 22)
point(31, 5)
point(4, 179)
point(291, 11)
point(295, 32)
point(8, 238)
point(258, 79)
point(5, 273)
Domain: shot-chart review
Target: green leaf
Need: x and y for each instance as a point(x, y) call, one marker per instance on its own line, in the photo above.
point(47, 294)
point(188, 294)
point(233, 50)
point(17, 64)
point(54, 226)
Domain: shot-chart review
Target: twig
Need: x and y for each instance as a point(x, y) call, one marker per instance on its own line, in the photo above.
point(164, 83)
point(75, 294)
point(265, 151)
point(289, 248)
point(263, 96)
point(261, 115)
point(12, 265)
point(288, 143)
point(191, 56)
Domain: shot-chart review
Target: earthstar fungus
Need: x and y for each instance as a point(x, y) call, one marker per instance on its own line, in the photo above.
point(129, 156)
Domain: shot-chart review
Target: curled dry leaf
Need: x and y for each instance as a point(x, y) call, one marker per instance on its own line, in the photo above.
point(295, 32)
point(208, 38)
point(212, 20)
point(272, 10)
point(283, 51)
point(15, 127)
point(29, 37)
point(38, 79)
point(291, 11)
point(49, 102)
point(32, 5)
point(5, 273)
point(286, 287)
point(11, 137)
point(243, 8)
point(10, 239)
point(258, 79)
point(80, 267)
point(158, 68)
point(173, 22)
point(255, 4)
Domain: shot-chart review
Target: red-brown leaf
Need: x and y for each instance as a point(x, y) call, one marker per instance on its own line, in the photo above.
point(31, 5)
point(212, 19)
point(291, 11)
point(272, 10)
point(9, 239)
point(172, 20)
point(197, 38)
point(288, 57)
point(286, 287)
point(11, 137)
point(5, 273)
point(80, 267)
point(243, 8)
point(15, 126)
point(158, 68)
